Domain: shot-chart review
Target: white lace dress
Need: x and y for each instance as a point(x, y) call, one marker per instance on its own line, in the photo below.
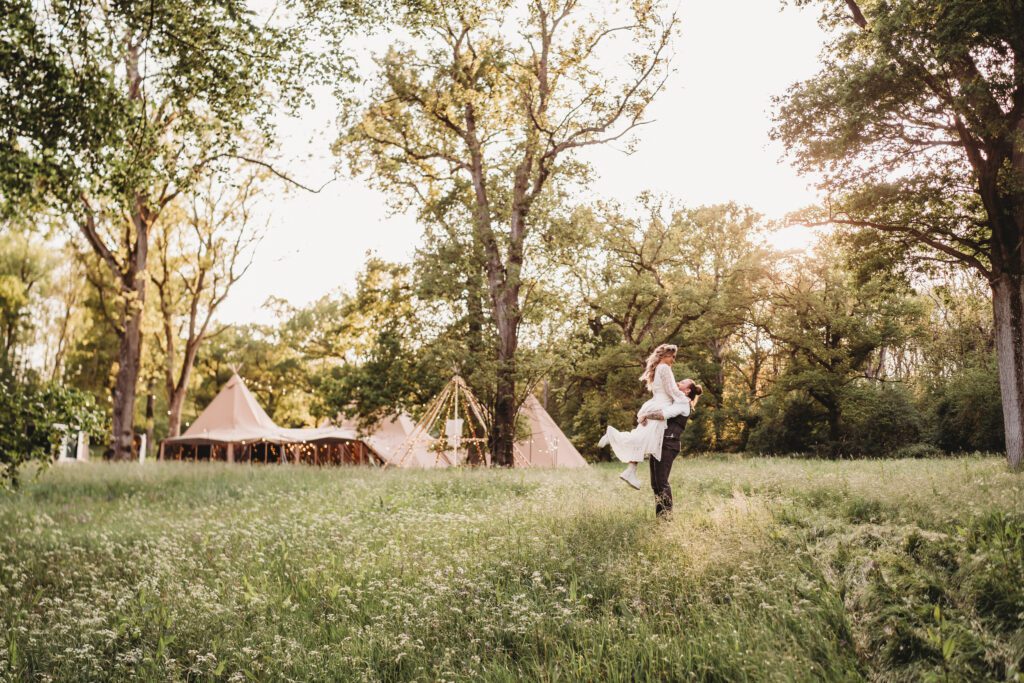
point(646, 439)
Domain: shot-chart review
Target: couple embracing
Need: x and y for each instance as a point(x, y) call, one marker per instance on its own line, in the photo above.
point(661, 422)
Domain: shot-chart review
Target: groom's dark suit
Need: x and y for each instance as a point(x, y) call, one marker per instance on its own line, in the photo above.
point(660, 469)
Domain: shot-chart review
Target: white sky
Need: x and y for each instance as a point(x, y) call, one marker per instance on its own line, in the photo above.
point(709, 143)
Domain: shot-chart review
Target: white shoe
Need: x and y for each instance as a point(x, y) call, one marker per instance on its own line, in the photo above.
point(604, 440)
point(629, 476)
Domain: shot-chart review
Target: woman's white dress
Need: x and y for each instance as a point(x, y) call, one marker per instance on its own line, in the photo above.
point(646, 439)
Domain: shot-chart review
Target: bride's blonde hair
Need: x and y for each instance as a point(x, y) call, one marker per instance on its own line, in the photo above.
point(662, 351)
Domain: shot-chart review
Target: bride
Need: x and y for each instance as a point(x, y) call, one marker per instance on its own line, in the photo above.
point(668, 399)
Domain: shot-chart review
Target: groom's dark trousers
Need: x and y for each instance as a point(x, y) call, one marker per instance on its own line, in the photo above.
point(660, 469)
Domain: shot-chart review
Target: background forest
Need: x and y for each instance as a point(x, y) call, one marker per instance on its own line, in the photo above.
point(137, 172)
point(836, 352)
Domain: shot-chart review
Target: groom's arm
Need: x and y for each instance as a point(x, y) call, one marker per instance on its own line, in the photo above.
point(660, 414)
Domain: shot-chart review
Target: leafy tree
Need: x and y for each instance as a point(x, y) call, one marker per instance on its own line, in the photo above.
point(202, 249)
point(966, 410)
point(377, 362)
point(916, 127)
point(662, 273)
point(29, 415)
point(491, 103)
point(167, 87)
point(830, 324)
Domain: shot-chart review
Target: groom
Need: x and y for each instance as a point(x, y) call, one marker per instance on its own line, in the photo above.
point(660, 469)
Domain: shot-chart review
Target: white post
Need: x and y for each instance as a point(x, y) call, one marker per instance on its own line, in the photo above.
point(82, 451)
point(142, 449)
point(455, 445)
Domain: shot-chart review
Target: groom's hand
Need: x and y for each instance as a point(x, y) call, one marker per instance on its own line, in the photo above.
point(654, 415)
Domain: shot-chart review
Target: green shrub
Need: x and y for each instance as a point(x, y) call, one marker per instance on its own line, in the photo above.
point(788, 424)
point(28, 413)
point(968, 411)
point(877, 419)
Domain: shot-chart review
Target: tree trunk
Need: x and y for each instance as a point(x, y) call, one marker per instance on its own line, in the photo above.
point(834, 429)
point(1008, 314)
point(150, 409)
point(505, 399)
point(715, 386)
point(129, 361)
point(177, 400)
point(178, 392)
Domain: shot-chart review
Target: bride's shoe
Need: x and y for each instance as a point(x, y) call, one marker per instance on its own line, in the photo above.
point(629, 476)
point(604, 440)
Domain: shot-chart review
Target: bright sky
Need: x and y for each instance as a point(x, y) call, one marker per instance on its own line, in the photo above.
point(709, 143)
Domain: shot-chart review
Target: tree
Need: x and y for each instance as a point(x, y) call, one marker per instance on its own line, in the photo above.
point(664, 273)
point(153, 96)
point(916, 127)
point(201, 252)
point(491, 104)
point(830, 324)
point(275, 372)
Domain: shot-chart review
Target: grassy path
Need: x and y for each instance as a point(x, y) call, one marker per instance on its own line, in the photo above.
point(771, 570)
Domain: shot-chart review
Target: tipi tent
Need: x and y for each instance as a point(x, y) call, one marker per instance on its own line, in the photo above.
point(547, 445)
point(387, 436)
point(234, 426)
point(452, 431)
point(233, 415)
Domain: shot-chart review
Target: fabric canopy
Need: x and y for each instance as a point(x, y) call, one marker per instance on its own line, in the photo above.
point(386, 439)
point(235, 416)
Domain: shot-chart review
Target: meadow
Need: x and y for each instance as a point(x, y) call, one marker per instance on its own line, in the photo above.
point(771, 569)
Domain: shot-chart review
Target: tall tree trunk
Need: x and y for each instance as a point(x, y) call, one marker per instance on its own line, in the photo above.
point(150, 410)
point(1008, 314)
point(129, 362)
point(505, 399)
point(177, 400)
point(716, 388)
point(834, 429)
point(178, 392)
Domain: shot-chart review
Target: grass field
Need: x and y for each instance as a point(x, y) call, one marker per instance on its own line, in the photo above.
point(770, 570)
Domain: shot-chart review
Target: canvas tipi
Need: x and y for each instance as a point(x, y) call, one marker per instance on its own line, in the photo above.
point(547, 445)
point(234, 425)
point(387, 436)
point(453, 430)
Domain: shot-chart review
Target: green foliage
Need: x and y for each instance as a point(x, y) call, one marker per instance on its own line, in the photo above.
point(274, 371)
point(25, 272)
point(661, 272)
point(878, 420)
point(875, 123)
point(912, 128)
point(29, 414)
point(770, 570)
point(788, 424)
point(967, 410)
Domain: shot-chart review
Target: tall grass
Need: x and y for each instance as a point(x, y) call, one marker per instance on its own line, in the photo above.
point(770, 570)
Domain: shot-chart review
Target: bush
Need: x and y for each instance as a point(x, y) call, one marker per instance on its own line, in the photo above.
point(28, 412)
point(968, 411)
point(789, 424)
point(876, 420)
point(879, 419)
